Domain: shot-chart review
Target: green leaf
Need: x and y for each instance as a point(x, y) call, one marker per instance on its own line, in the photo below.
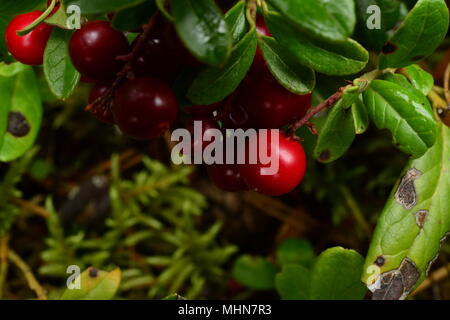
point(343, 58)
point(20, 96)
point(254, 272)
point(132, 18)
point(327, 20)
point(338, 132)
point(103, 6)
point(295, 251)
point(419, 35)
point(360, 116)
point(215, 84)
point(420, 79)
point(61, 75)
point(237, 22)
point(9, 70)
point(413, 224)
point(336, 276)
point(59, 18)
point(403, 111)
point(375, 38)
point(95, 285)
point(202, 28)
point(285, 68)
point(293, 282)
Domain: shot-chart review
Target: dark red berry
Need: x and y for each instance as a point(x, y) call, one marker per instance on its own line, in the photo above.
point(205, 136)
point(202, 111)
point(28, 49)
point(144, 108)
point(103, 114)
point(163, 55)
point(291, 165)
point(85, 79)
point(236, 115)
point(227, 177)
point(94, 50)
point(270, 105)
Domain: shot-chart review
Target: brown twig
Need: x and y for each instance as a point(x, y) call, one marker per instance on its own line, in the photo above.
point(103, 103)
point(34, 208)
point(447, 83)
point(29, 276)
point(435, 277)
point(331, 101)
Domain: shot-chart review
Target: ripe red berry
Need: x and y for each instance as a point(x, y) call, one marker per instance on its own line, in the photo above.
point(270, 105)
point(104, 115)
point(28, 49)
point(206, 136)
point(144, 108)
point(236, 115)
point(163, 55)
point(227, 177)
point(291, 165)
point(94, 49)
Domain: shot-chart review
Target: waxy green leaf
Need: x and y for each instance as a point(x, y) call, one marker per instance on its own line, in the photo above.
point(368, 12)
point(285, 68)
point(338, 133)
point(419, 35)
point(214, 84)
point(202, 28)
point(360, 116)
point(327, 20)
point(102, 6)
point(297, 251)
point(413, 225)
point(61, 75)
point(95, 285)
point(343, 58)
point(237, 22)
point(254, 272)
point(336, 274)
point(405, 112)
point(133, 18)
point(293, 282)
point(419, 78)
point(22, 107)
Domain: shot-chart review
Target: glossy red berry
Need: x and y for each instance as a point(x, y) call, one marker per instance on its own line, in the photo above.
point(291, 165)
point(144, 108)
point(227, 177)
point(94, 50)
point(236, 115)
point(270, 105)
point(163, 55)
point(104, 114)
point(28, 49)
point(206, 136)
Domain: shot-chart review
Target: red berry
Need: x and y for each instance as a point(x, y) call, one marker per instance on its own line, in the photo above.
point(291, 165)
point(105, 115)
point(227, 177)
point(28, 49)
point(163, 55)
point(94, 49)
point(85, 79)
point(270, 105)
point(144, 108)
point(236, 115)
point(206, 134)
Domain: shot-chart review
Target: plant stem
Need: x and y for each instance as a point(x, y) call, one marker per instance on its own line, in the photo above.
point(3, 262)
point(36, 22)
point(103, 103)
point(355, 210)
point(251, 12)
point(29, 276)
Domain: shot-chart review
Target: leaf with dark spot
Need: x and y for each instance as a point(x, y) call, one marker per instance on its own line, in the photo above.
point(18, 125)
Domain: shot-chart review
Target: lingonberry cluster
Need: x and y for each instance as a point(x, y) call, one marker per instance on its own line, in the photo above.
point(132, 89)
